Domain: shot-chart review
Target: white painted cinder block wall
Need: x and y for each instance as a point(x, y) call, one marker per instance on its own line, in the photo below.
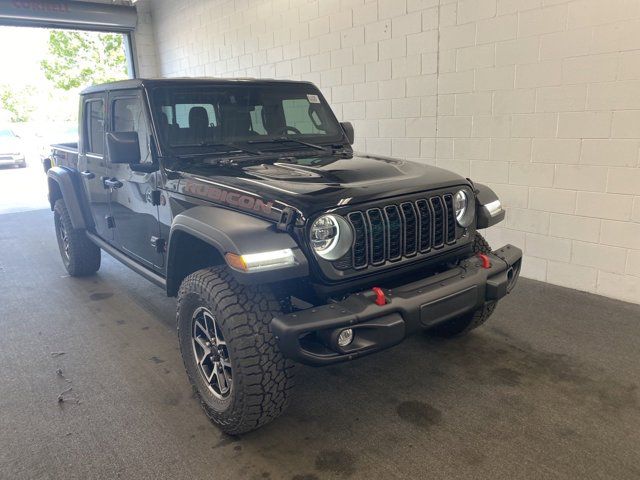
point(540, 99)
point(144, 42)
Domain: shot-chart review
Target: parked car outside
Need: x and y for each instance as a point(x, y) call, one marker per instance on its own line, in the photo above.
point(11, 149)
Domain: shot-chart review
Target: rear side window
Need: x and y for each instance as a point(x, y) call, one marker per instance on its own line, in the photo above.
point(94, 126)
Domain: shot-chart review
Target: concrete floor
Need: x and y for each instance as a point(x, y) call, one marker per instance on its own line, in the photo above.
point(23, 189)
point(548, 389)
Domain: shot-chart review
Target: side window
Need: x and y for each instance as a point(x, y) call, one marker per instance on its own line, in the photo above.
point(183, 110)
point(300, 114)
point(128, 115)
point(94, 126)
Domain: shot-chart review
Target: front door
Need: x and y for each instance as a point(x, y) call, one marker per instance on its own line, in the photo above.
point(134, 200)
point(91, 162)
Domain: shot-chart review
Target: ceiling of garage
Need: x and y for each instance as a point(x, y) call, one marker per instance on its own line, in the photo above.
point(68, 14)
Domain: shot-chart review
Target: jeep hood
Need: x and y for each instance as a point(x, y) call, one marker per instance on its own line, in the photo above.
point(313, 184)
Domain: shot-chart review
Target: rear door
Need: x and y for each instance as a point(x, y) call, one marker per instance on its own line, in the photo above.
point(91, 161)
point(134, 202)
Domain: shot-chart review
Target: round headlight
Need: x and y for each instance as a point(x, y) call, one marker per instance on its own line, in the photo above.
point(330, 237)
point(464, 212)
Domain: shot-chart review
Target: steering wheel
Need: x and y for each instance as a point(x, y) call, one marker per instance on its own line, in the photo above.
point(284, 130)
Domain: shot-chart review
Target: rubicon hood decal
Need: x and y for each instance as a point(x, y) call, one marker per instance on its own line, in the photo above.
point(232, 198)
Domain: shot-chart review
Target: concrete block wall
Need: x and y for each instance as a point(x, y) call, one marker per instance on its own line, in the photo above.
point(540, 99)
point(375, 61)
point(144, 41)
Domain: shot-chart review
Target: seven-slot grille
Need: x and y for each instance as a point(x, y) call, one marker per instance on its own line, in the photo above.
point(399, 230)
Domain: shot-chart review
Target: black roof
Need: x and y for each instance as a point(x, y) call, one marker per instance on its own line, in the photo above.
point(156, 82)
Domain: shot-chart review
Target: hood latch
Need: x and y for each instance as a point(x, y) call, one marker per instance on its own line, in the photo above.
point(287, 219)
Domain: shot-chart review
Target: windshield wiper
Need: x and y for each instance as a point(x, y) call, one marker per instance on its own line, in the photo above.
point(235, 148)
point(287, 139)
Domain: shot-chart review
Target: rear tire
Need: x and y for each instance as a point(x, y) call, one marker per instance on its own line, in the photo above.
point(472, 320)
point(229, 352)
point(80, 256)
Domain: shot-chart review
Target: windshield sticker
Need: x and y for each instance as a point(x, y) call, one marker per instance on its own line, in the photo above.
point(313, 98)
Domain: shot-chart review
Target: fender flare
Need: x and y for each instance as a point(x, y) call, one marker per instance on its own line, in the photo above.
point(229, 231)
point(487, 212)
point(70, 186)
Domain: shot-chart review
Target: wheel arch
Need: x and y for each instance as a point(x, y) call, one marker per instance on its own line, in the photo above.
point(64, 184)
point(201, 236)
point(188, 253)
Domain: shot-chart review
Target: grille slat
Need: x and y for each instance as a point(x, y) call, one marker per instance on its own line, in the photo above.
point(425, 225)
point(410, 229)
point(395, 231)
point(377, 236)
point(451, 218)
point(360, 258)
point(438, 221)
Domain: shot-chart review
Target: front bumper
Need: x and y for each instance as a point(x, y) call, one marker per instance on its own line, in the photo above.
point(310, 336)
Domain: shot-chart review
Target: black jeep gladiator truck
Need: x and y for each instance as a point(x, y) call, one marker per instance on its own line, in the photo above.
point(245, 200)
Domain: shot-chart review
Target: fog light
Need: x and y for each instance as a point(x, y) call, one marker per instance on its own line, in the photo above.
point(345, 337)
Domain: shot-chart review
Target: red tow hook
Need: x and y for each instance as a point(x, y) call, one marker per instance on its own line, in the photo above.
point(380, 300)
point(485, 260)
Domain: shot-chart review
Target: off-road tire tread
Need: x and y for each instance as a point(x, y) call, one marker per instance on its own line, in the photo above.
point(470, 321)
point(84, 255)
point(263, 378)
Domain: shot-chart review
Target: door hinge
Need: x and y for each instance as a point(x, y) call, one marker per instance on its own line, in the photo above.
point(160, 244)
point(287, 219)
point(111, 222)
point(155, 197)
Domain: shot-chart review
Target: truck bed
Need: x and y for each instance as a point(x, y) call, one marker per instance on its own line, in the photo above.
point(65, 154)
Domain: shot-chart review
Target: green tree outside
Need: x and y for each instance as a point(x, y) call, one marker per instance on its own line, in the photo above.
point(18, 103)
point(74, 60)
point(78, 59)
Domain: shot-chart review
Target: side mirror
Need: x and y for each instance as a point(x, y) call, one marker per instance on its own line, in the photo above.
point(123, 147)
point(348, 131)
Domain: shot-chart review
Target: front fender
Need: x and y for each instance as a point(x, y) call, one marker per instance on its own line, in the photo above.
point(65, 183)
point(233, 232)
point(488, 211)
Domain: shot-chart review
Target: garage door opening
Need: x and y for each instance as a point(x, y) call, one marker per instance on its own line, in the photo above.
point(50, 52)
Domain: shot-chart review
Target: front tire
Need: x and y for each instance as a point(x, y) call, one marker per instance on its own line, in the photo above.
point(80, 256)
point(472, 320)
point(229, 352)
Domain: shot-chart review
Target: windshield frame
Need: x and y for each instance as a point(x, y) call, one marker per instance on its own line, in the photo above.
point(297, 142)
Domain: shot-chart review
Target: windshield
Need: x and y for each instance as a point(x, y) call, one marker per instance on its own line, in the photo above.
point(223, 115)
point(7, 134)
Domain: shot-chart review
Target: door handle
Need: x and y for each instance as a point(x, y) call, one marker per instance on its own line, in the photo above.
point(88, 174)
point(112, 183)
